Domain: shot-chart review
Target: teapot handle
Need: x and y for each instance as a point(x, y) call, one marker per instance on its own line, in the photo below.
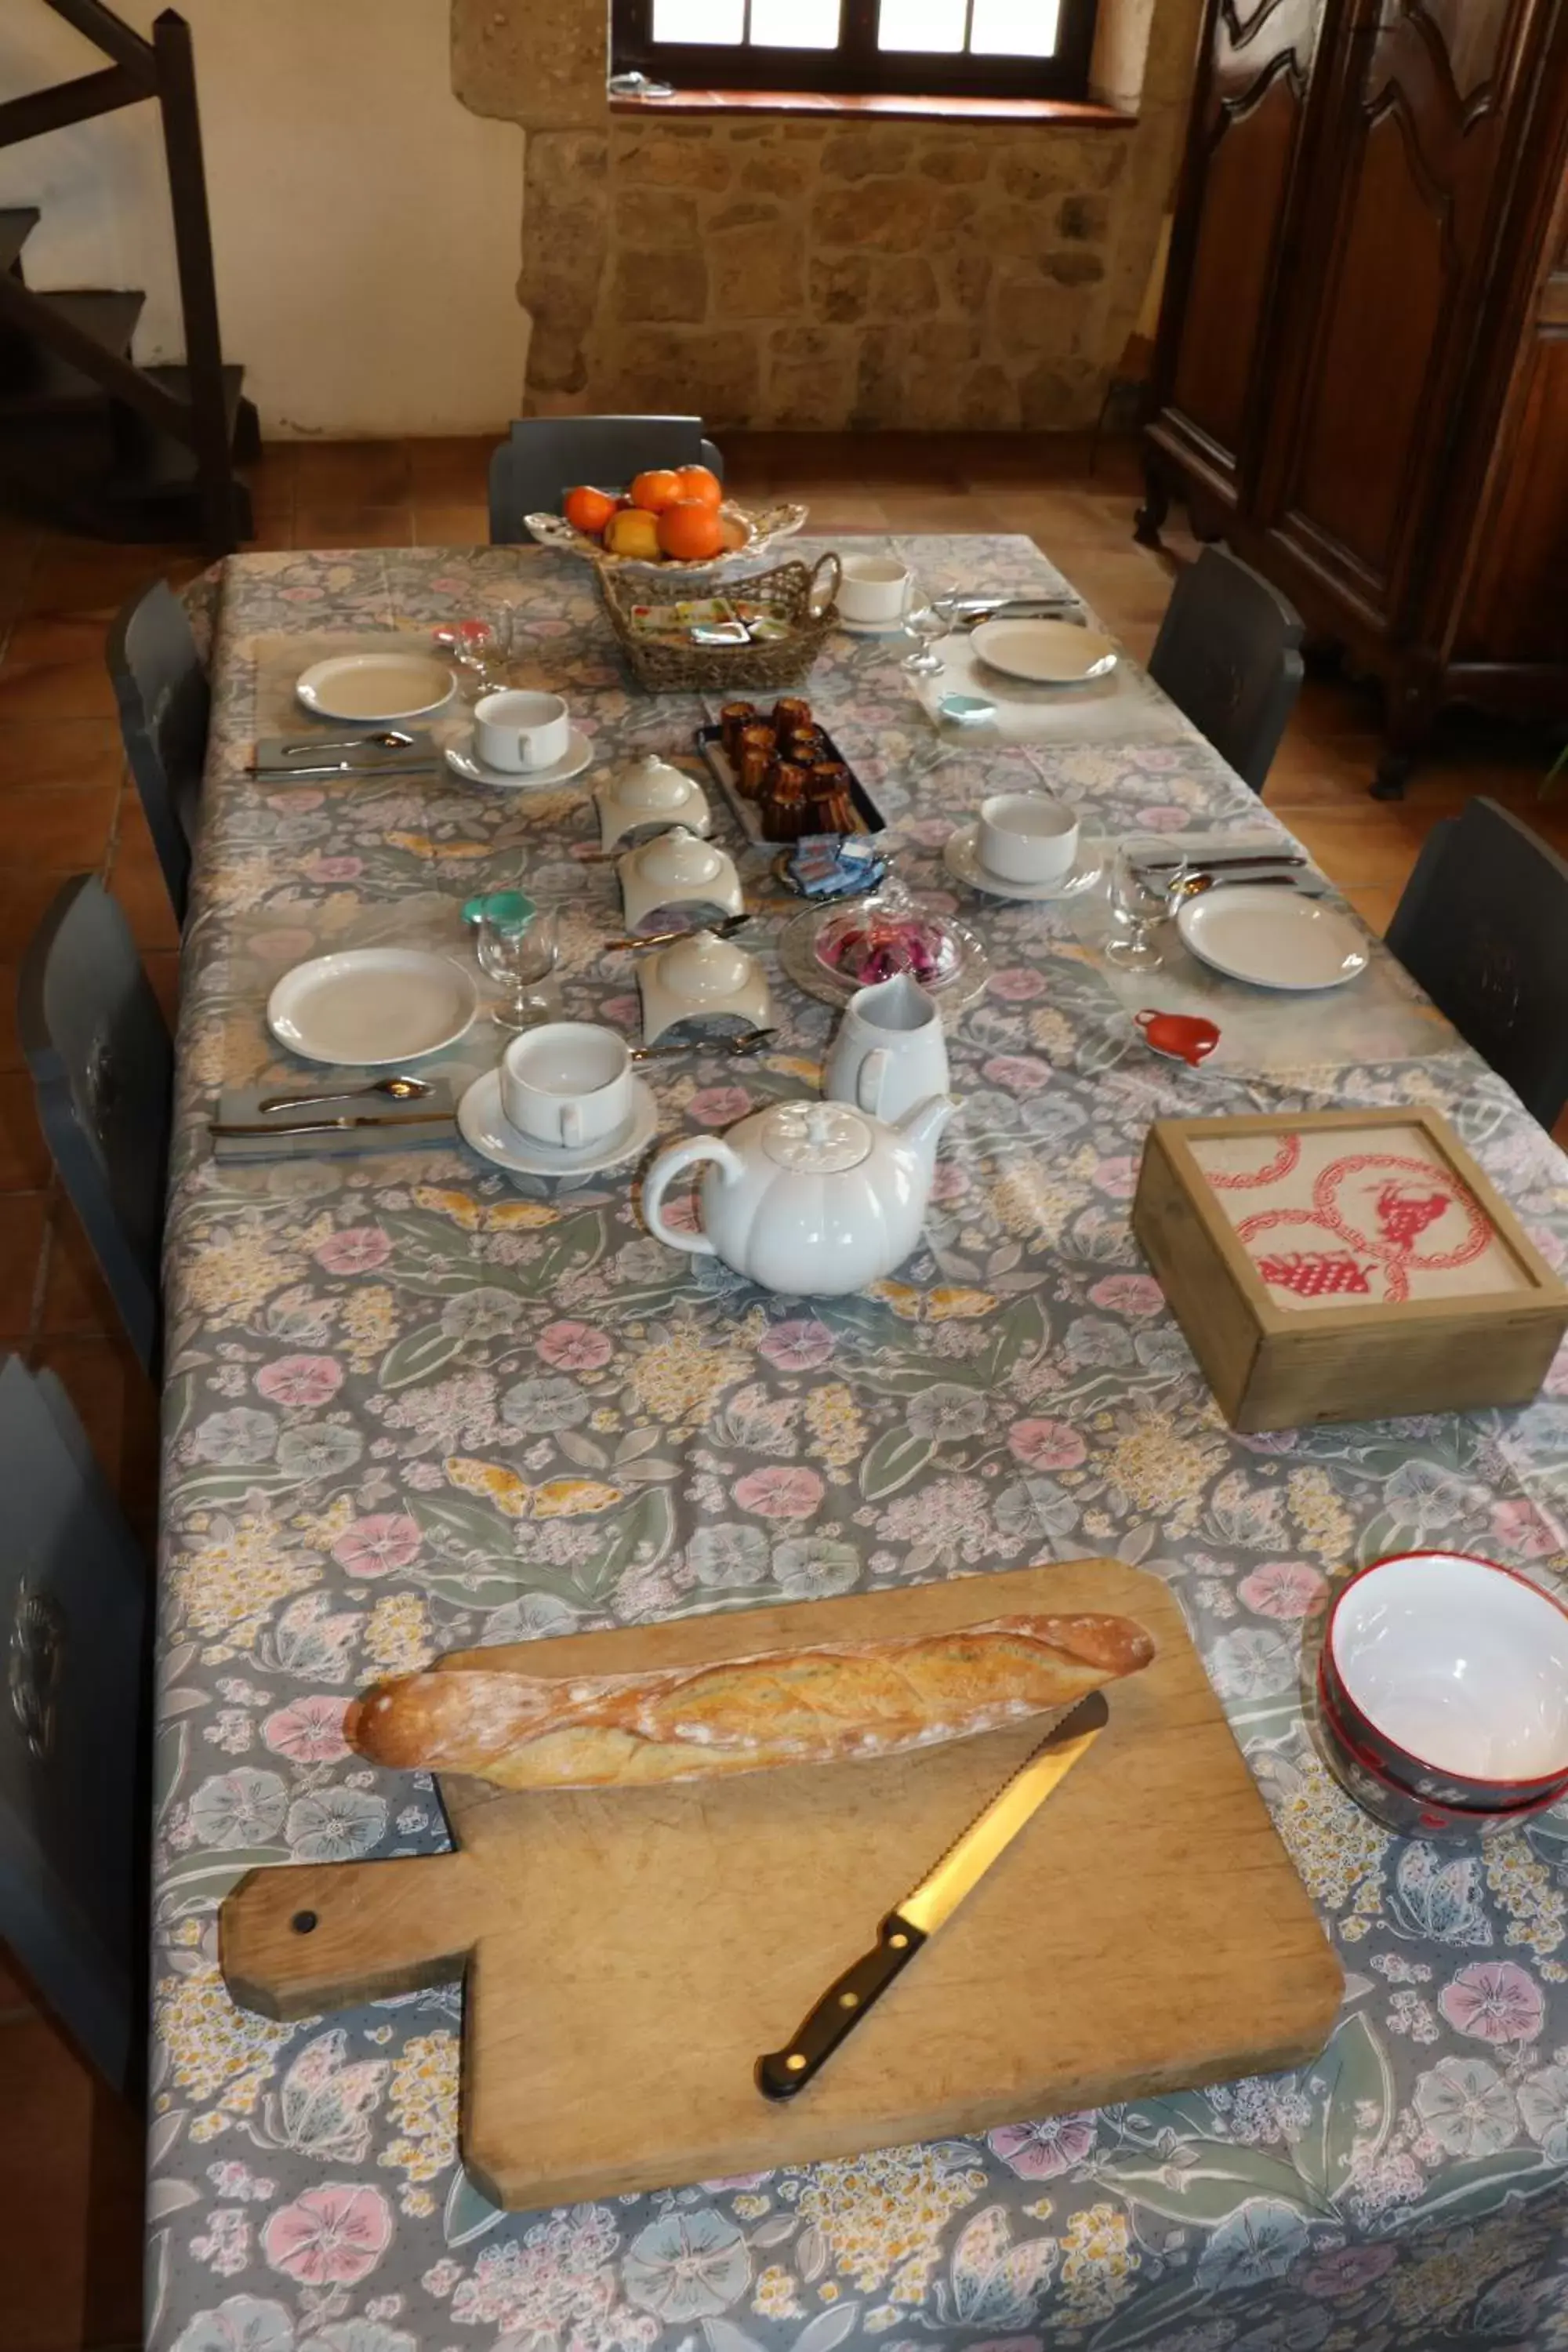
point(666, 1168)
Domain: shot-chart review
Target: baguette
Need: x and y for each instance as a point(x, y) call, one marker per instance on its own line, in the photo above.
point(820, 1705)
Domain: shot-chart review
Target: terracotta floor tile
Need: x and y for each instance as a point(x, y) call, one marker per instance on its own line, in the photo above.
point(352, 473)
point(918, 510)
point(43, 638)
point(24, 1161)
point(55, 689)
point(84, 576)
point(77, 1302)
point(71, 2202)
point(16, 1993)
point(451, 526)
point(137, 882)
point(21, 1242)
point(10, 1051)
point(450, 472)
point(27, 892)
point(1356, 854)
point(65, 825)
point(1375, 907)
point(161, 966)
point(60, 751)
point(118, 1407)
point(339, 525)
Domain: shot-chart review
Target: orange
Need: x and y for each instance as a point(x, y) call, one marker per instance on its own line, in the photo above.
point(691, 530)
point(632, 532)
point(655, 491)
point(588, 509)
point(697, 482)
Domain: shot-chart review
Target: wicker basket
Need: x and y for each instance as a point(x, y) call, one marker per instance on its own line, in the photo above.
point(668, 667)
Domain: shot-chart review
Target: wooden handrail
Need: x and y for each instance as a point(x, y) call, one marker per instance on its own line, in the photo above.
point(109, 32)
point(68, 102)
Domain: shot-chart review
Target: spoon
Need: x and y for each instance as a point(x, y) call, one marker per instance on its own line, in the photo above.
point(747, 1041)
point(383, 739)
point(400, 1089)
point(664, 938)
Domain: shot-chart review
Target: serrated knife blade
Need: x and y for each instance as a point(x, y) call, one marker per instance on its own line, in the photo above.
point(927, 1906)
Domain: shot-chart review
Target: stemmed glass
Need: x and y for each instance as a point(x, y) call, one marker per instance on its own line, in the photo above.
point(516, 945)
point(930, 622)
point(481, 648)
point(1140, 899)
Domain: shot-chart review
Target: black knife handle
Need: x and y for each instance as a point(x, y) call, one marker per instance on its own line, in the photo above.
point(785, 2072)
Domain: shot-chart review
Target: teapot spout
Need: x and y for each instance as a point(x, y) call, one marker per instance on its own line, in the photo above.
point(922, 1124)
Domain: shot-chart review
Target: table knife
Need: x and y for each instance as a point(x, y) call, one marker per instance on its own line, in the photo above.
point(330, 1125)
point(1218, 865)
point(782, 2072)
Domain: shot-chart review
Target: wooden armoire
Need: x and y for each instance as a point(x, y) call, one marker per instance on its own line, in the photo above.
point(1361, 380)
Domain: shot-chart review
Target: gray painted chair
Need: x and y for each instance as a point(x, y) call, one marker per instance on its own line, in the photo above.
point(103, 1067)
point(161, 690)
point(1229, 655)
point(1482, 924)
point(544, 457)
point(72, 1607)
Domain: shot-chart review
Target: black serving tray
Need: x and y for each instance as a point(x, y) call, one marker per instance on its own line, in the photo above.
point(711, 743)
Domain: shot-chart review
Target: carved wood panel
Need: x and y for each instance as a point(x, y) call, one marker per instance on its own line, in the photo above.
point(1253, 99)
point(1401, 271)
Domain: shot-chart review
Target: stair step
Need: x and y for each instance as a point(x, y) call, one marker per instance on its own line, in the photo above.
point(17, 223)
point(153, 465)
point(37, 378)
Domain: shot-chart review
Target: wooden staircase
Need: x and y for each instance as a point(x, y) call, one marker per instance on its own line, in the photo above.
point(86, 436)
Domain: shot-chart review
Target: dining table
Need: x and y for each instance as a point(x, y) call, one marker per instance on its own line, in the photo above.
point(379, 1361)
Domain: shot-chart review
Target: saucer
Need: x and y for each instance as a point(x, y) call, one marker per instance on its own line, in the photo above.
point(481, 1124)
point(961, 855)
point(870, 628)
point(578, 755)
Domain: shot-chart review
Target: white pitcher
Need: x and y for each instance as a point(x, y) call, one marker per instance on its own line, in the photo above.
point(890, 1052)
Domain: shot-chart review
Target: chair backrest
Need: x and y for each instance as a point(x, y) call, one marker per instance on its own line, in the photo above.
point(161, 690)
point(544, 457)
point(1229, 655)
point(72, 1609)
point(103, 1065)
point(1482, 924)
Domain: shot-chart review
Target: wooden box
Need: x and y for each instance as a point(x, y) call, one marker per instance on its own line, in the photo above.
point(1343, 1266)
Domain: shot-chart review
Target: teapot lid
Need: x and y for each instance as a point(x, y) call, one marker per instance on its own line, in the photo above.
point(653, 783)
point(820, 1139)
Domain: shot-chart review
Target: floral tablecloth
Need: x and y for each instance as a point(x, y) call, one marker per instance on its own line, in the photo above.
point(412, 1405)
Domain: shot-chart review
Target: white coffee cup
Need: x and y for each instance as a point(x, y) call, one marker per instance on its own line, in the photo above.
point(873, 588)
point(1026, 837)
point(520, 731)
point(567, 1085)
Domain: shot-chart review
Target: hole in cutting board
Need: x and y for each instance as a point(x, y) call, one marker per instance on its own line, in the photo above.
point(302, 1922)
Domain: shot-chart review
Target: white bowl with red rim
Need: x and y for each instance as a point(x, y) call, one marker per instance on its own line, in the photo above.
point(1451, 1674)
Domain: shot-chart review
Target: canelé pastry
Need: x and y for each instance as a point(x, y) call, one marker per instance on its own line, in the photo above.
point(826, 1705)
point(759, 748)
point(731, 719)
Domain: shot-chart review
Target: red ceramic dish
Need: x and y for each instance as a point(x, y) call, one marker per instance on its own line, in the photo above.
point(1452, 1673)
point(1359, 1774)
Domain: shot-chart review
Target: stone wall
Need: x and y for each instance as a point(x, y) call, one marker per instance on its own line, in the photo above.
point(818, 272)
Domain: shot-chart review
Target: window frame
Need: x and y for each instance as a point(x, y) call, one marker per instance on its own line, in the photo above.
point(857, 68)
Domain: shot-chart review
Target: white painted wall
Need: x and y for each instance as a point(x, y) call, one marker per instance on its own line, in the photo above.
point(367, 226)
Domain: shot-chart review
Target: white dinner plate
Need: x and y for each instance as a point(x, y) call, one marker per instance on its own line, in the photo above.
point(368, 1005)
point(375, 685)
point(961, 855)
point(481, 1124)
point(1273, 937)
point(578, 755)
point(1044, 653)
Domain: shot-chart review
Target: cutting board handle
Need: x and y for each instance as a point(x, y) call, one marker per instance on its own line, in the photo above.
point(295, 1942)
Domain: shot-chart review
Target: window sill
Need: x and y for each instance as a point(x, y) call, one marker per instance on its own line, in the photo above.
point(1071, 115)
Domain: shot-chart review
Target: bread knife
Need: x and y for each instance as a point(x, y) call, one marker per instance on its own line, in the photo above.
point(782, 2072)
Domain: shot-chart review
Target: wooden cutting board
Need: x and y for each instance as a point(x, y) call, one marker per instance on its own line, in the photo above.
point(630, 1953)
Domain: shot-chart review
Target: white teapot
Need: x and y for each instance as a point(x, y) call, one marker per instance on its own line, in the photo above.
point(814, 1199)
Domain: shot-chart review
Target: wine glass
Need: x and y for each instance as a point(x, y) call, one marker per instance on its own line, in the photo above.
point(930, 622)
point(1139, 899)
point(517, 947)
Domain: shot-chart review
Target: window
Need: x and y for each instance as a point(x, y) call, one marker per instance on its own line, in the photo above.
point(981, 48)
